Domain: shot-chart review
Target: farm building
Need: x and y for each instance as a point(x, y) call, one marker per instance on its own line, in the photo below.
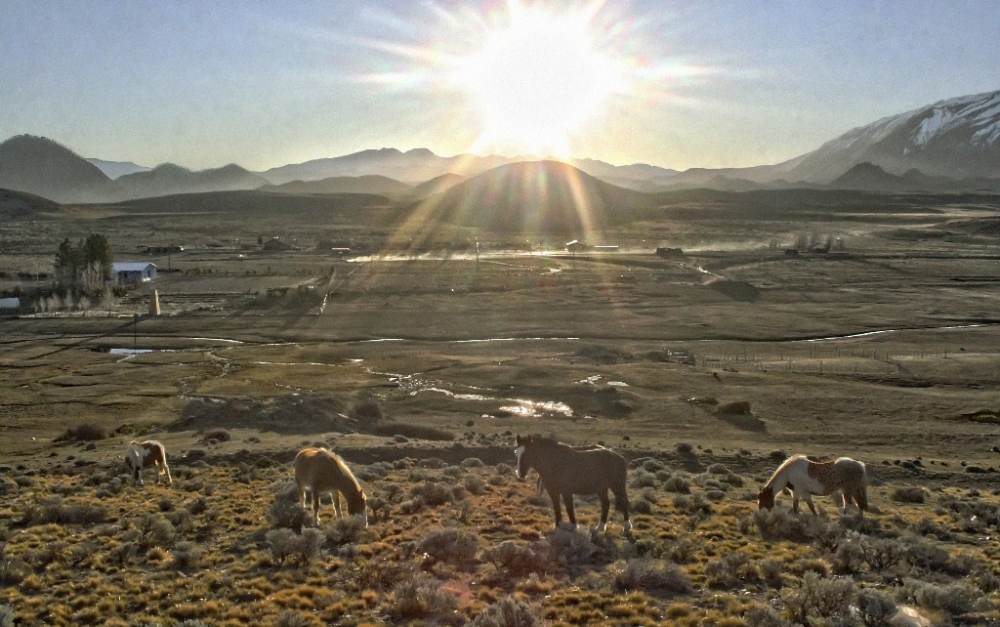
point(133, 272)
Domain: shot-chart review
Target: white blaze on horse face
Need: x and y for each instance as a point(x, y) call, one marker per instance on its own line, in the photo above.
point(518, 452)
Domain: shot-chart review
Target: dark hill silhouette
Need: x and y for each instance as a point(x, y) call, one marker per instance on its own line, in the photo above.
point(40, 166)
point(252, 202)
point(367, 184)
point(546, 197)
point(15, 205)
point(436, 185)
point(167, 179)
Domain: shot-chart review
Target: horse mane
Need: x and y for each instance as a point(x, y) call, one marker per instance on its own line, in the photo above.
point(347, 471)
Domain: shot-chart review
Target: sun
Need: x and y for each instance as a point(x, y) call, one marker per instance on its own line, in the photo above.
point(538, 77)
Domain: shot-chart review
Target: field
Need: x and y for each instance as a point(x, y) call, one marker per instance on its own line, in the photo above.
point(419, 357)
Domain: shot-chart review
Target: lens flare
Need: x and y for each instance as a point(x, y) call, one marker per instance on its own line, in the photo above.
point(538, 77)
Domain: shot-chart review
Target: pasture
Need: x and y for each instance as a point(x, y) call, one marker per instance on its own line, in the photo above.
point(420, 366)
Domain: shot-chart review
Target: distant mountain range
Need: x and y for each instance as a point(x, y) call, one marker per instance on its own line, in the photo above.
point(952, 145)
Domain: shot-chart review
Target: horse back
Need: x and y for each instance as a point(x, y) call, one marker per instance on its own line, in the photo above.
point(585, 471)
point(321, 470)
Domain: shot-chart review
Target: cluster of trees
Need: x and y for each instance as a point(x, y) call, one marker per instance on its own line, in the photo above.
point(85, 265)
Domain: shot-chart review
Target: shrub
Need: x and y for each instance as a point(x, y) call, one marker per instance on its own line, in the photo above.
point(287, 512)
point(909, 494)
point(472, 462)
point(828, 598)
point(289, 618)
point(344, 530)
point(432, 493)
point(87, 432)
point(875, 608)
point(763, 616)
point(571, 546)
point(518, 560)
point(7, 616)
point(642, 506)
point(677, 484)
point(419, 597)
point(735, 408)
point(451, 545)
point(956, 598)
point(53, 511)
point(780, 524)
point(418, 432)
point(187, 556)
point(218, 434)
point(506, 613)
point(734, 570)
point(155, 530)
point(652, 576)
point(384, 573)
point(13, 570)
point(474, 484)
point(286, 543)
point(366, 412)
point(684, 448)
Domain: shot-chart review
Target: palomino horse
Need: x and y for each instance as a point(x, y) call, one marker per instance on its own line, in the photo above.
point(320, 471)
point(565, 471)
point(140, 454)
point(805, 478)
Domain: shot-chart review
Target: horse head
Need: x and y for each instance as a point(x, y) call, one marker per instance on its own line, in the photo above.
point(765, 498)
point(523, 460)
point(356, 507)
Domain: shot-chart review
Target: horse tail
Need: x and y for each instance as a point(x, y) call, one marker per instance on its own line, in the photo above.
point(618, 486)
point(861, 497)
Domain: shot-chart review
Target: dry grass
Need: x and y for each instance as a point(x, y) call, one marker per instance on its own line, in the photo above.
point(458, 559)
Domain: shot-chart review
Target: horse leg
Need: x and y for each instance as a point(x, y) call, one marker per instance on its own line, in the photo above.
point(538, 490)
point(315, 506)
point(554, 497)
point(570, 513)
point(336, 503)
point(809, 502)
point(621, 503)
point(605, 506)
point(795, 502)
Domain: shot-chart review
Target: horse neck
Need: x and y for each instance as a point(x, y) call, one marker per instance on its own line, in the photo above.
point(782, 477)
point(547, 458)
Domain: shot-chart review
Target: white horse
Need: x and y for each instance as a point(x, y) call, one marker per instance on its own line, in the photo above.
point(804, 478)
point(139, 454)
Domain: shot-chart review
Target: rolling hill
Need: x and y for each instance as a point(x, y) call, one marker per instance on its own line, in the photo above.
point(367, 184)
point(545, 197)
point(42, 167)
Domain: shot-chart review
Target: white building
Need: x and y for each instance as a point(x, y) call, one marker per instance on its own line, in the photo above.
point(133, 272)
point(10, 303)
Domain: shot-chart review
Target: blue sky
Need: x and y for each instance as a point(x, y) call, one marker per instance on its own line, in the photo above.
point(717, 84)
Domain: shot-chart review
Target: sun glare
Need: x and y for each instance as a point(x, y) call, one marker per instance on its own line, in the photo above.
point(538, 78)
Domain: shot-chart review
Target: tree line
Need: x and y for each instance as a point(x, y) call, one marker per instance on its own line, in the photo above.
point(86, 264)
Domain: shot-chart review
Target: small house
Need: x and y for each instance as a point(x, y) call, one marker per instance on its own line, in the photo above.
point(133, 272)
point(10, 304)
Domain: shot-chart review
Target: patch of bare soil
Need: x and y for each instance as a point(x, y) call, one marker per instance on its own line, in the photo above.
point(281, 414)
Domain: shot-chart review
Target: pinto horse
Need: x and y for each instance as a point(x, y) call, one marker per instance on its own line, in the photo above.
point(565, 471)
point(804, 477)
point(320, 471)
point(140, 454)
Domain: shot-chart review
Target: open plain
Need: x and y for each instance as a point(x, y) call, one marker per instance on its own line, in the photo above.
point(820, 323)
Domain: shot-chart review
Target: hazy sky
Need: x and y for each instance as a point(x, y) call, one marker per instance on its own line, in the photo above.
point(261, 84)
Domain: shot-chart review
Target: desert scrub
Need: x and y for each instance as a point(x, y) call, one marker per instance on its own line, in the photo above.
point(820, 598)
point(518, 560)
point(909, 494)
point(54, 511)
point(433, 493)
point(657, 577)
point(286, 512)
point(419, 597)
point(506, 612)
point(733, 570)
point(453, 546)
point(344, 530)
point(677, 484)
point(286, 544)
point(955, 598)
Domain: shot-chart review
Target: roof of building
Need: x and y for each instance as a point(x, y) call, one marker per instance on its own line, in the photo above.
point(131, 266)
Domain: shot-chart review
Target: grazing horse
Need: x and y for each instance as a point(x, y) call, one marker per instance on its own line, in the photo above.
point(321, 471)
point(805, 478)
point(565, 471)
point(140, 454)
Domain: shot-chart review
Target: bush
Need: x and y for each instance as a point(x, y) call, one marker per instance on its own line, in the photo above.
point(780, 524)
point(956, 598)
point(451, 545)
point(875, 608)
point(384, 573)
point(472, 462)
point(735, 408)
point(287, 512)
point(571, 546)
point(218, 434)
point(344, 530)
point(517, 560)
point(909, 494)
point(734, 570)
point(420, 597)
point(506, 613)
point(187, 556)
point(289, 618)
point(643, 479)
point(820, 597)
point(651, 576)
point(432, 493)
point(53, 511)
point(366, 412)
point(418, 432)
point(155, 530)
point(7, 616)
point(285, 543)
point(474, 484)
point(87, 432)
point(684, 448)
point(677, 484)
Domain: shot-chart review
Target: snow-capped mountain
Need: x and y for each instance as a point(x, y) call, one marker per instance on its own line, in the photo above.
point(957, 138)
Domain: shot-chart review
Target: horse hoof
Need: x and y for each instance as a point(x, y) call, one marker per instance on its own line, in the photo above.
point(627, 529)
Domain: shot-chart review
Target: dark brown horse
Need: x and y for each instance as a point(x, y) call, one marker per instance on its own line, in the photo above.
point(566, 471)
